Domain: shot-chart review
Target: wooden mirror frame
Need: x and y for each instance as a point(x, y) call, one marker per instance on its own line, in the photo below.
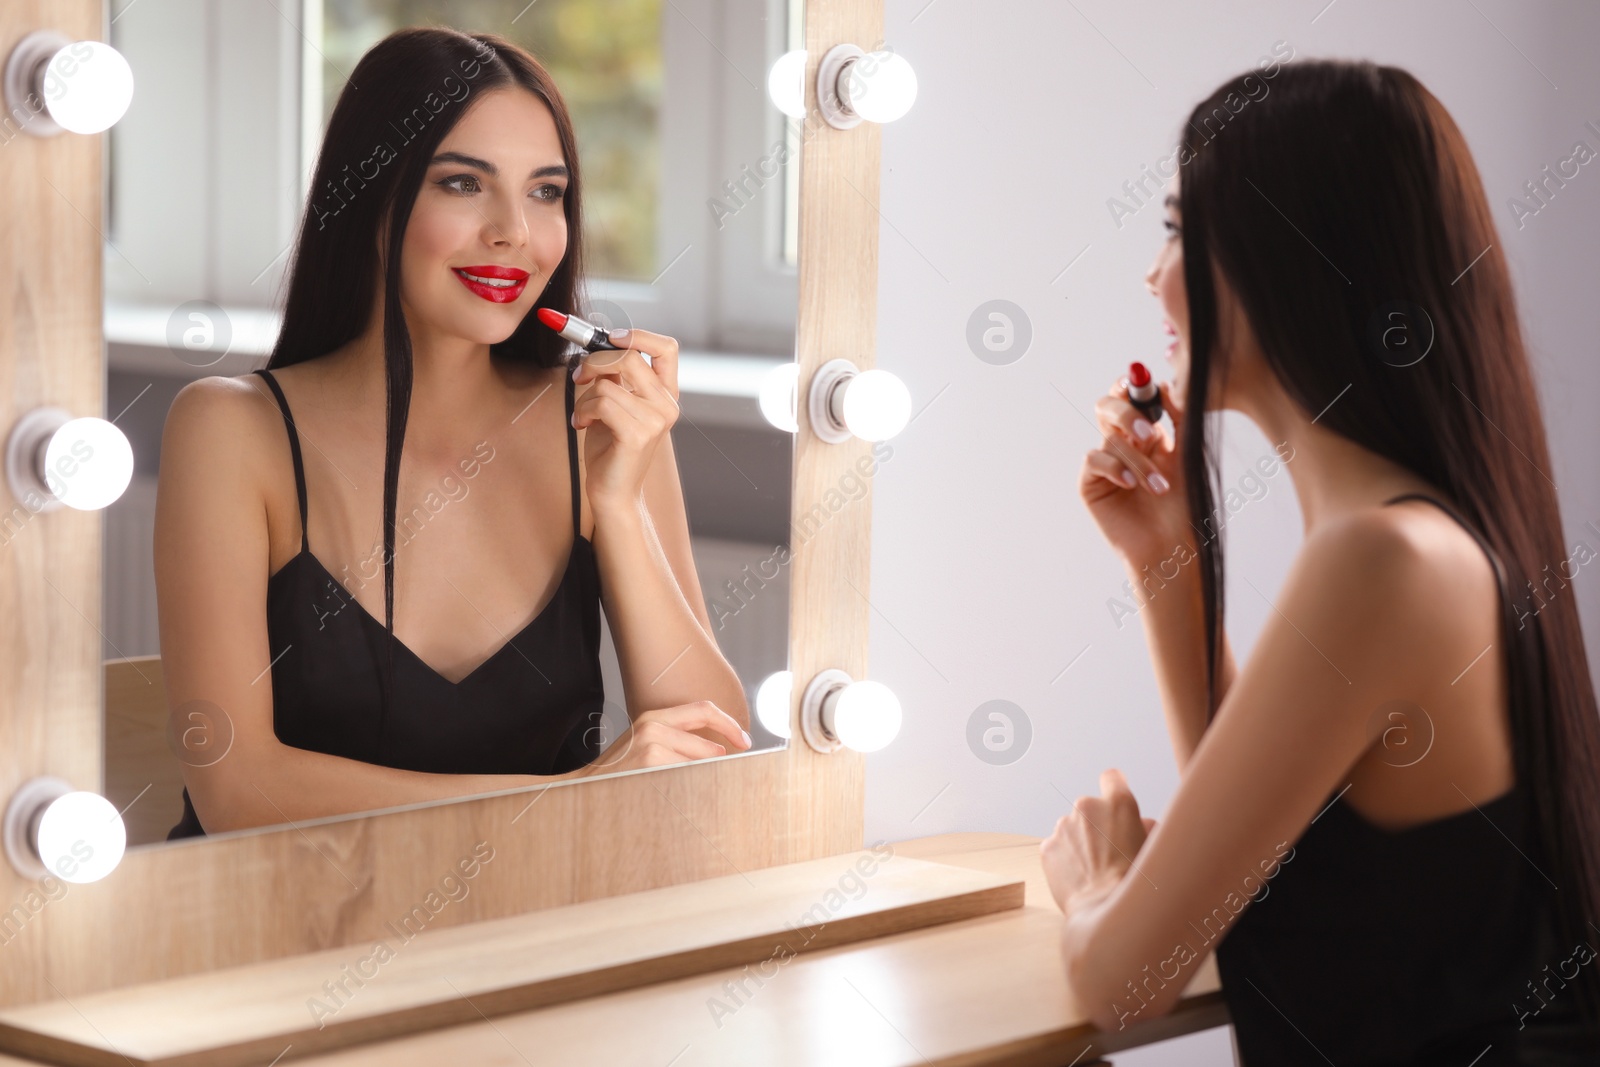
point(198, 905)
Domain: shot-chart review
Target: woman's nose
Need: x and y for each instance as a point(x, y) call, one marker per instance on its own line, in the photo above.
point(511, 227)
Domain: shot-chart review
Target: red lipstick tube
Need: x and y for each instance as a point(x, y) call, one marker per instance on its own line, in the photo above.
point(586, 335)
point(1143, 393)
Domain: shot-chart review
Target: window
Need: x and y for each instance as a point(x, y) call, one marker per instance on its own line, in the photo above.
point(209, 169)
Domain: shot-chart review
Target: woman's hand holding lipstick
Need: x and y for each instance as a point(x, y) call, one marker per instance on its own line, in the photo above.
point(629, 405)
point(1133, 483)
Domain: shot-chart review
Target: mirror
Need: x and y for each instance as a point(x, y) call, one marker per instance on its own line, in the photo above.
point(690, 214)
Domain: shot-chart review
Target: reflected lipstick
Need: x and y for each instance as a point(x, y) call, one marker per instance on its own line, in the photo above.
point(586, 335)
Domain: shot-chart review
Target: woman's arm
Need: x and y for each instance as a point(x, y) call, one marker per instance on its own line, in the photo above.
point(648, 583)
point(1153, 534)
point(1340, 643)
point(663, 498)
point(266, 782)
point(1174, 629)
point(211, 567)
point(650, 591)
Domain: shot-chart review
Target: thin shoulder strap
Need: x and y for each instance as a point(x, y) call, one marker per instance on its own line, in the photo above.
point(572, 454)
point(1483, 543)
point(1522, 653)
point(294, 449)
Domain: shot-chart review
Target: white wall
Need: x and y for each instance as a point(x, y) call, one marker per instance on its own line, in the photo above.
point(988, 576)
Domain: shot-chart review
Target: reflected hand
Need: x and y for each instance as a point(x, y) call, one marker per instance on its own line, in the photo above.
point(662, 736)
point(628, 408)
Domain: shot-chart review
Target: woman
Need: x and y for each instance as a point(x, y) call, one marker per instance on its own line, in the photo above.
point(444, 210)
point(1387, 820)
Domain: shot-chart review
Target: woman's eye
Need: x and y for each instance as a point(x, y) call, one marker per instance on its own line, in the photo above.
point(1171, 227)
point(550, 192)
point(450, 182)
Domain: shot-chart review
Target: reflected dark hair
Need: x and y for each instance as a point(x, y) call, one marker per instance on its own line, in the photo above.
point(1388, 212)
point(402, 99)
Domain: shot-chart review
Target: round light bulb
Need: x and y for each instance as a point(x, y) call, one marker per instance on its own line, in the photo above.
point(773, 698)
point(87, 87)
point(866, 716)
point(81, 837)
point(882, 86)
point(786, 83)
point(88, 463)
point(777, 398)
point(876, 406)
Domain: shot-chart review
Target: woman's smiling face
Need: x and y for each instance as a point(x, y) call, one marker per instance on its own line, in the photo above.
point(492, 205)
point(1238, 371)
point(1164, 279)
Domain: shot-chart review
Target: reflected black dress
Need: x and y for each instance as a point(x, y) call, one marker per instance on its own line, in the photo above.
point(1422, 946)
point(533, 707)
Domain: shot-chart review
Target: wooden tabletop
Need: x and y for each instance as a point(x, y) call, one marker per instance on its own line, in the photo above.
point(989, 990)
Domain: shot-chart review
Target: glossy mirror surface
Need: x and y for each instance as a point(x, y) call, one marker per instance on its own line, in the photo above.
point(690, 208)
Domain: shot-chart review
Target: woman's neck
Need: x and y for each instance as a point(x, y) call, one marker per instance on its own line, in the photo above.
point(1332, 475)
point(455, 384)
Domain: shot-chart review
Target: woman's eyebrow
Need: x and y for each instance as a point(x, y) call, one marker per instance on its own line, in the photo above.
point(1170, 201)
point(555, 170)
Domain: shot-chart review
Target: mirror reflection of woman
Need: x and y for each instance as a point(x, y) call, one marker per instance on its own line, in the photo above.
point(1387, 825)
point(347, 624)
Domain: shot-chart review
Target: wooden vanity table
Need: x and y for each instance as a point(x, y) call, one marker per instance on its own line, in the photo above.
point(986, 989)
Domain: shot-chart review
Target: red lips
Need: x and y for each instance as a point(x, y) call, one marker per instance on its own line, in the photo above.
point(496, 294)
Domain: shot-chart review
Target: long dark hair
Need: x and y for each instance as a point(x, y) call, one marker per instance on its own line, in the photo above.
point(402, 99)
point(1341, 199)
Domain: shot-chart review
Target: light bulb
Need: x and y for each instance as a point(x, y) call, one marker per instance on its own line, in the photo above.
point(55, 831)
point(87, 86)
point(773, 698)
point(53, 83)
point(87, 464)
point(876, 405)
point(786, 83)
point(881, 86)
point(777, 396)
point(866, 716)
point(81, 837)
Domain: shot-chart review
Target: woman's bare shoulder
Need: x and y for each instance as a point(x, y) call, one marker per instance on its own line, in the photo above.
point(1395, 573)
point(223, 430)
point(220, 411)
point(1413, 546)
point(211, 501)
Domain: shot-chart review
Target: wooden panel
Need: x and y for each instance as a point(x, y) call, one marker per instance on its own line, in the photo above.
point(418, 980)
point(50, 355)
point(235, 899)
point(838, 318)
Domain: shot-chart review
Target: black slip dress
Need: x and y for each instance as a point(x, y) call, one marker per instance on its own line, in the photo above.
point(1429, 945)
point(533, 707)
